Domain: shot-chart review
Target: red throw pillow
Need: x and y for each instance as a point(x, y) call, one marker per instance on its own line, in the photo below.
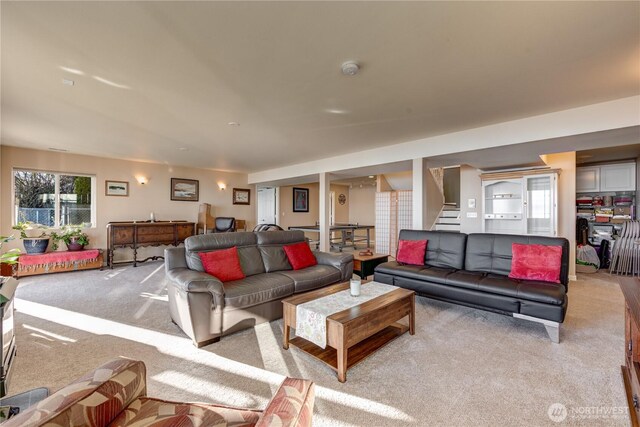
point(536, 262)
point(411, 251)
point(224, 264)
point(300, 255)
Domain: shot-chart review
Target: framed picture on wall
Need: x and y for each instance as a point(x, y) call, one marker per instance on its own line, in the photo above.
point(116, 188)
point(300, 199)
point(186, 190)
point(241, 196)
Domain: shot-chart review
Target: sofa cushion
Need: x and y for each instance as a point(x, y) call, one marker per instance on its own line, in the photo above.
point(313, 277)
point(274, 258)
point(146, 412)
point(270, 244)
point(536, 262)
point(458, 295)
point(251, 260)
point(431, 274)
point(445, 249)
point(491, 253)
point(222, 264)
point(411, 252)
point(212, 242)
point(299, 255)
point(543, 292)
point(257, 289)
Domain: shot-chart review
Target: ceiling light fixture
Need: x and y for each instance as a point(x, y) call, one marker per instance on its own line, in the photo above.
point(233, 124)
point(371, 176)
point(350, 68)
point(62, 150)
point(183, 149)
point(67, 82)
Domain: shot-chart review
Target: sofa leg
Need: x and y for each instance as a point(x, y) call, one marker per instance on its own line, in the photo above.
point(553, 328)
point(554, 332)
point(207, 342)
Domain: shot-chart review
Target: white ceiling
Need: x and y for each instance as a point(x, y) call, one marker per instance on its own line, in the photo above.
point(158, 77)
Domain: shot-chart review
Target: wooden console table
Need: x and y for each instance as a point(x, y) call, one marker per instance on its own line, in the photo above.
point(137, 234)
point(630, 287)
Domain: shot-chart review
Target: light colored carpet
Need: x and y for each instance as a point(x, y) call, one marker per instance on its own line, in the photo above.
point(463, 366)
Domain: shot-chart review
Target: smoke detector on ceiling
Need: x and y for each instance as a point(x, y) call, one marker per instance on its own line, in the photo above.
point(350, 68)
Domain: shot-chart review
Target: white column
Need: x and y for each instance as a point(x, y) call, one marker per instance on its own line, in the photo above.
point(325, 183)
point(419, 194)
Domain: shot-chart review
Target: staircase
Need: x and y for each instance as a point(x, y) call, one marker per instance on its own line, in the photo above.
point(449, 219)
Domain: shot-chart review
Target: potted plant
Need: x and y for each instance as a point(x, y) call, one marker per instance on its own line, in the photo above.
point(34, 237)
point(11, 256)
point(73, 237)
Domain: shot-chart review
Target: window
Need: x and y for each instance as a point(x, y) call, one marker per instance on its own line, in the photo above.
point(54, 199)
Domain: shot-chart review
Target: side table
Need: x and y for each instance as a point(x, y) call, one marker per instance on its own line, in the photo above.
point(364, 265)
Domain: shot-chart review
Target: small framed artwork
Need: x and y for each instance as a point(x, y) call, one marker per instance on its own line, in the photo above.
point(116, 188)
point(300, 199)
point(241, 196)
point(185, 190)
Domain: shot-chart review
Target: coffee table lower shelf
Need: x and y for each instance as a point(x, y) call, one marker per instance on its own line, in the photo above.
point(357, 353)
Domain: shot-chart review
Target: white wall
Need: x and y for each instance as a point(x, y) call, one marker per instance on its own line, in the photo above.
point(143, 199)
point(566, 200)
point(362, 207)
point(470, 188)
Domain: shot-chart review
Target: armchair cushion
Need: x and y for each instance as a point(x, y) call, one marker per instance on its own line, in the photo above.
point(93, 400)
point(146, 412)
point(291, 406)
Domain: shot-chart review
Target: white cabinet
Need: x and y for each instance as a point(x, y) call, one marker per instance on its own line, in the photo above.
point(526, 205)
point(588, 179)
point(618, 177)
point(606, 178)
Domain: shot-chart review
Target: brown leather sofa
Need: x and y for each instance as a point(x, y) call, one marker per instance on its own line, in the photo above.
point(206, 309)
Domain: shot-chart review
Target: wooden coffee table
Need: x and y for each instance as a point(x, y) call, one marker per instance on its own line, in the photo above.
point(355, 333)
point(364, 265)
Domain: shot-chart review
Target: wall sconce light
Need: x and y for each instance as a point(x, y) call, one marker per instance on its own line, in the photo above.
point(222, 186)
point(142, 180)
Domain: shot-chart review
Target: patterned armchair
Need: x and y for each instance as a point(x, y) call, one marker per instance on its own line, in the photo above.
point(115, 395)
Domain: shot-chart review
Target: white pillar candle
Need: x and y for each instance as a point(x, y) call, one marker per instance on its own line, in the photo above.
point(355, 287)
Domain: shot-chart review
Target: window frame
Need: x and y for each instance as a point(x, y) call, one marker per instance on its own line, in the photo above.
point(56, 174)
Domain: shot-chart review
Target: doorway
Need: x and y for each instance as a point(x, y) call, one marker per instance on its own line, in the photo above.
point(267, 205)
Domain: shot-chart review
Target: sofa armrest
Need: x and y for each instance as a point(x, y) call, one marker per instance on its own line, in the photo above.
point(95, 399)
point(341, 261)
point(175, 258)
point(195, 281)
point(291, 406)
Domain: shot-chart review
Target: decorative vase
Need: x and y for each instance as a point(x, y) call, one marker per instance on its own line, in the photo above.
point(36, 245)
point(74, 246)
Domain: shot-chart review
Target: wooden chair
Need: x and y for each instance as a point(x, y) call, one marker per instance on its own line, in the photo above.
point(206, 222)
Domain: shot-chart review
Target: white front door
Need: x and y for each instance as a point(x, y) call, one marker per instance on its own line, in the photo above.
point(266, 205)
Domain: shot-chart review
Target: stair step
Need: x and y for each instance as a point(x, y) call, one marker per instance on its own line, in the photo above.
point(450, 214)
point(445, 220)
point(450, 208)
point(447, 227)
